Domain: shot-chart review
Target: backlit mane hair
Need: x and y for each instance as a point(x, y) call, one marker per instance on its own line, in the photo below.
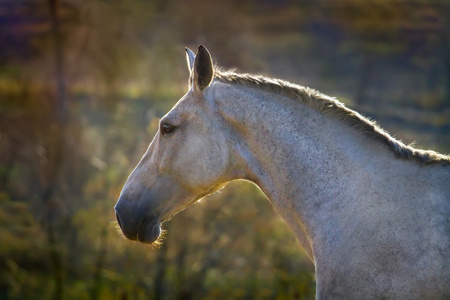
point(332, 107)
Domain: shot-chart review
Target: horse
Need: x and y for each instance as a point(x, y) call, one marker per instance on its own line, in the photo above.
point(372, 213)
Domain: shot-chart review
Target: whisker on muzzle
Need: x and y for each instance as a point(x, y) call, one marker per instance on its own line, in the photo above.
point(160, 240)
point(118, 229)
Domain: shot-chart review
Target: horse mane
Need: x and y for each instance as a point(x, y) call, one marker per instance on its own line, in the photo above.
point(332, 107)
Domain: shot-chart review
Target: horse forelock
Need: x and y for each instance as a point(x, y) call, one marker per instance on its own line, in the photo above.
point(332, 107)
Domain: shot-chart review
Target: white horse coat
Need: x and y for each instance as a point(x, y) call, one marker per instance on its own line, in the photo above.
point(372, 214)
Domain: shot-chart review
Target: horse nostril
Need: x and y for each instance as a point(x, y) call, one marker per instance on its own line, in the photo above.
point(118, 220)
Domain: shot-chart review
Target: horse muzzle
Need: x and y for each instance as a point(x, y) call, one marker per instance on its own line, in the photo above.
point(138, 227)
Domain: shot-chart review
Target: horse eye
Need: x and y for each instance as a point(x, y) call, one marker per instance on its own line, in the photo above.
point(166, 128)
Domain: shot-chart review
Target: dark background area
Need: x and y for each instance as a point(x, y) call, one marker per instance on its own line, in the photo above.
point(83, 83)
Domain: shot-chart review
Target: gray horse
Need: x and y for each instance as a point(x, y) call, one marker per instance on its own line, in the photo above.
point(372, 214)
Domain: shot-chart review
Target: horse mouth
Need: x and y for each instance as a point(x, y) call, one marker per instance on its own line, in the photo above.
point(149, 231)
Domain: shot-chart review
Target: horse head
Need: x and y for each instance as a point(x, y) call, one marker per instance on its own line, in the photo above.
point(187, 159)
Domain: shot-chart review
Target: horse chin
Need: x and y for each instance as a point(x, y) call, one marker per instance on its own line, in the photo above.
point(149, 232)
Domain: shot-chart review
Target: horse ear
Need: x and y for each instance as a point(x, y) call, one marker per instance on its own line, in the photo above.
point(203, 69)
point(190, 57)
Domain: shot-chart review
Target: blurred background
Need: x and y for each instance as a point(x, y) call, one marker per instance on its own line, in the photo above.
point(83, 83)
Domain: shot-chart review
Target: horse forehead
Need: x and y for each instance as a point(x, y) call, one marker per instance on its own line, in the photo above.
point(187, 106)
point(192, 103)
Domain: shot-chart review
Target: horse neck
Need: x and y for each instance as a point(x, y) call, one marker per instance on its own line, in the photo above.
point(309, 165)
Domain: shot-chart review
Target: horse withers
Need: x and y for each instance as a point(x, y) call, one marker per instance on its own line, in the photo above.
point(372, 213)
